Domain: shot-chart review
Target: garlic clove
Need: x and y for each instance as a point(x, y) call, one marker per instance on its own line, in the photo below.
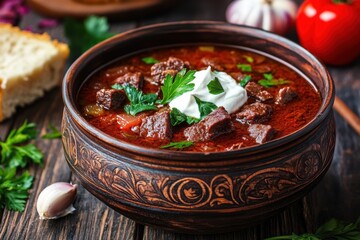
point(55, 200)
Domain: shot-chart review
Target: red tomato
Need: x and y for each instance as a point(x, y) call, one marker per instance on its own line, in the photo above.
point(330, 29)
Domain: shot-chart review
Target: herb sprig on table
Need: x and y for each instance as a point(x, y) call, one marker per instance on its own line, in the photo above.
point(17, 153)
point(331, 230)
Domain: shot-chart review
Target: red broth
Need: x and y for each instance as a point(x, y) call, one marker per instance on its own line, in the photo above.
point(285, 118)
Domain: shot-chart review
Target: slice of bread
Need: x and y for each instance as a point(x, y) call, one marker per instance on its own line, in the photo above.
point(30, 64)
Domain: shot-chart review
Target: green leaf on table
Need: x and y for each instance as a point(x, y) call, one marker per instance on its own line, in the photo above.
point(270, 81)
point(215, 87)
point(178, 145)
point(82, 35)
point(178, 85)
point(53, 134)
point(149, 60)
point(14, 189)
point(244, 67)
point(177, 117)
point(333, 229)
point(13, 151)
point(139, 101)
point(205, 108)
point(245, 80)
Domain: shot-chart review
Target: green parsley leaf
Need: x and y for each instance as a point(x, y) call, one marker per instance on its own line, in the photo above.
point(17, 152)
point(270, 81)
point(205, 108)
point(178, 145)
point(215, 87)
point(207, 48)
point(82, 35)
point(248, 58)
point(14, 189)
point(176, 86)
point(177, 117)
point(333, 229)
point(149, 60)
point(117, 86)
point(245, 80)
point(53, 134)
point(244, 67)
point(13, 155)
point(139, 101)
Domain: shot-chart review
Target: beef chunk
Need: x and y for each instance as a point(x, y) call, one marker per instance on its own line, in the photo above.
point(135, 79)
point(258, 92)
point(255, 113)
point(157, 126)
point(261, 133)
point(214, 63)
point(110, 98)
point(215, 124)
point(172, 66)
point(285, 95)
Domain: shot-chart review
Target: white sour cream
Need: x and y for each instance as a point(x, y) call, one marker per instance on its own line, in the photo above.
point(233, 97)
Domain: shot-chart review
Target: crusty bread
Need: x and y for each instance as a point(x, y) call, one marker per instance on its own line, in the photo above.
point(30, 64)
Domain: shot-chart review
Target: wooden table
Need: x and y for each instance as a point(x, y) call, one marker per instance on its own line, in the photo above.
point(337, 195)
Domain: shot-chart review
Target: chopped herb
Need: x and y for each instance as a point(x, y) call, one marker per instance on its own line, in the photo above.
point(245, 80)
point(244, 67)
point(53, 134)
point(14, 189)
point(117, 86)
point(178, 145)
point(139, 101)
point(207, 48)
point(270, 81)
point(248, 58)
point(205, 108)
point(176, 86)
point(333, 229)
point(149, 60)
point(177, 117)
point(215, 87)
point(16, 153)
point(82, 35)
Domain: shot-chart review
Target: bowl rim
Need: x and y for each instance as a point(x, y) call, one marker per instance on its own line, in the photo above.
point(70, 105)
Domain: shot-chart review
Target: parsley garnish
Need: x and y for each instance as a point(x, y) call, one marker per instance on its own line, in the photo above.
point(215, 87)
point(178, 145)
point(149, 60)
point(53, 134)
point(333, 229)
point(248, 58)
point(176, 86)
point(205, 108)
point(117, 86)
point(16, 153)
point(139, 101)
point(82, 35)
point(244, 67)
point(13, 155)
point(270, 81)
point(177, 117)
point(246, 79)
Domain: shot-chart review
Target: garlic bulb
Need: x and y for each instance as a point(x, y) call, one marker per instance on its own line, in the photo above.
point(272, 15)
point(55, 200)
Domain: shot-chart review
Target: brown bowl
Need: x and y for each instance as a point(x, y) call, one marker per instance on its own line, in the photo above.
point(198, 192)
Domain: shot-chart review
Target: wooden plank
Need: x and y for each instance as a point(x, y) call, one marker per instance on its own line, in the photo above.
point(287, 221)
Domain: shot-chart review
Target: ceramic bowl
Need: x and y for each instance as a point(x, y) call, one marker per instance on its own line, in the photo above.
point(198, 192)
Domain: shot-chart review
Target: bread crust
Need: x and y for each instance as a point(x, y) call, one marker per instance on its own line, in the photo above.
point(54, 66)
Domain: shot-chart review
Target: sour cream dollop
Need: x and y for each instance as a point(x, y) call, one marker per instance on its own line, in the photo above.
point(233, 97)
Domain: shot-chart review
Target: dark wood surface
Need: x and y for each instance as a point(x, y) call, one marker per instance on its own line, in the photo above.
point(337, 195)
